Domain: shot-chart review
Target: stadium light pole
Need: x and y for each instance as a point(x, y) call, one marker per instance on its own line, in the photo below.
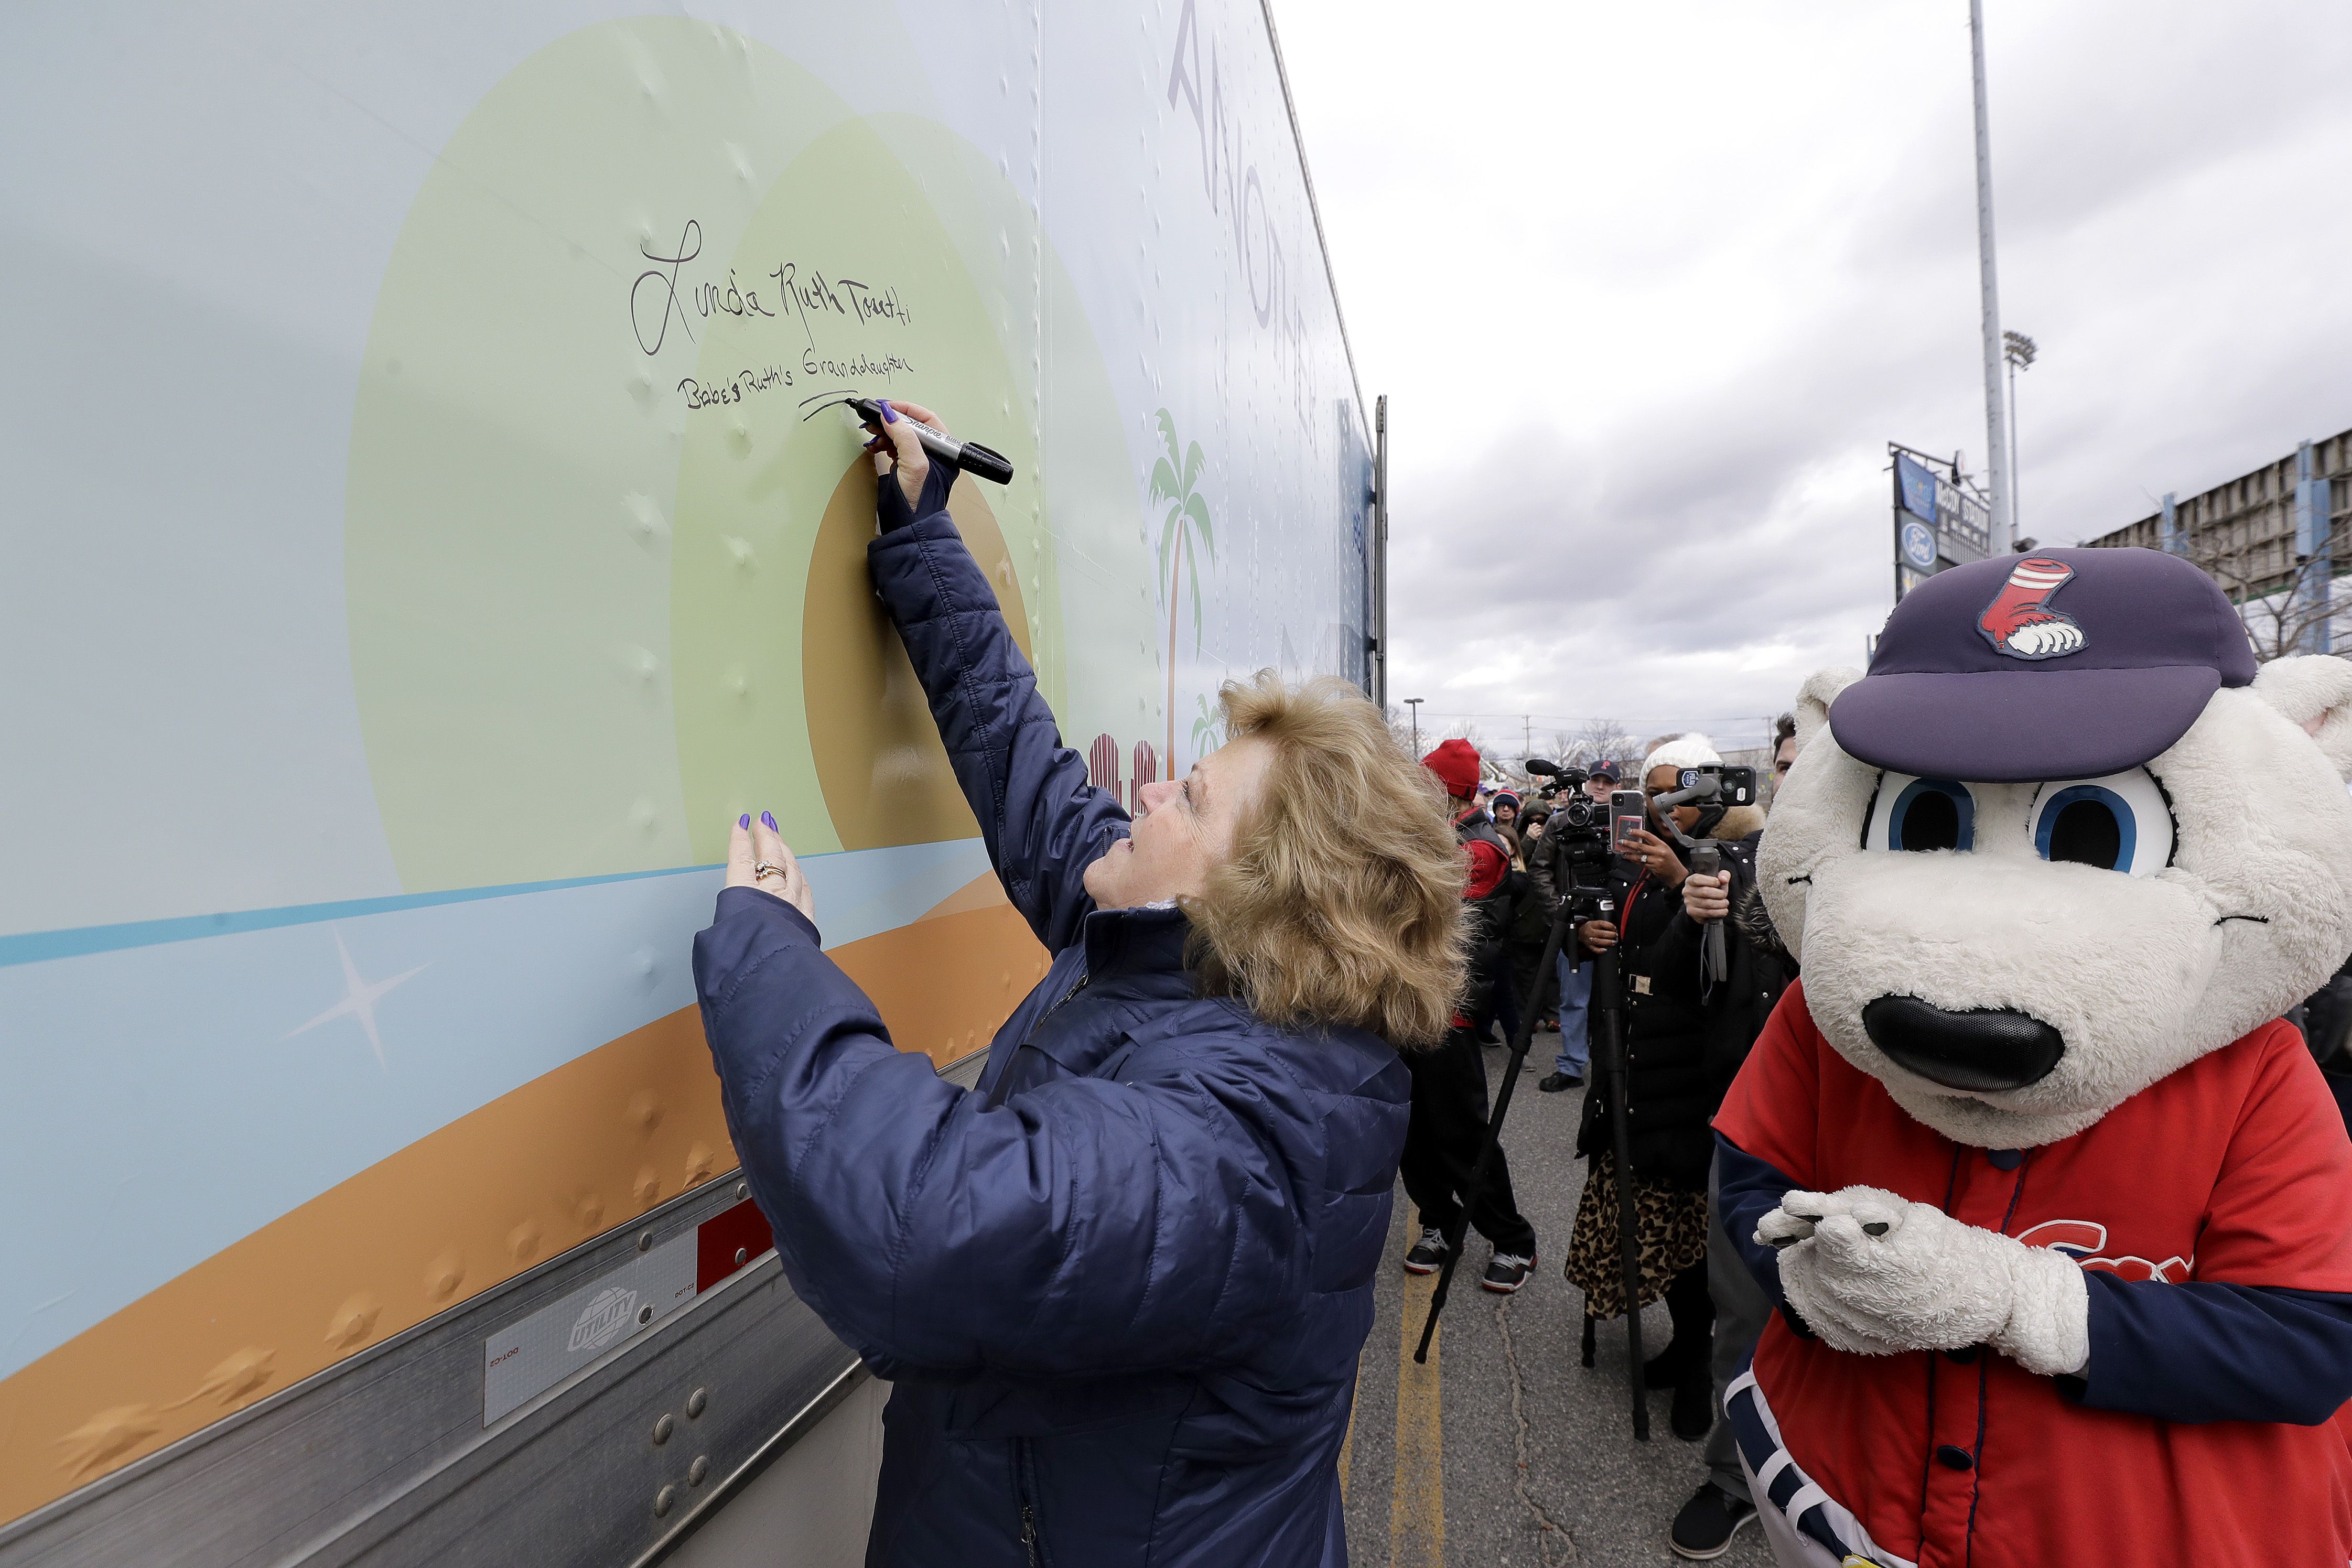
point(1996, 442)
point(1414, 704)
point(2019, 350)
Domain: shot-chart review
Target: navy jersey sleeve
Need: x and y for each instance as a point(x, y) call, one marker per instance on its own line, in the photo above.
point(2213, 1351)
point(2195, 1352)
point(1044, 822)
point(1089, 1227)
point(1746, 1189)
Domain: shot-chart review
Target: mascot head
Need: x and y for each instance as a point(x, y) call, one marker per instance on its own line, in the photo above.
point(2063, 840)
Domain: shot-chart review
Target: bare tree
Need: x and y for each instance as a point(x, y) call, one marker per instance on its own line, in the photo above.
point(1400, 725)
point(1594, 741)
point(2283, 598)
point(1495, 763)
point(1467, 729)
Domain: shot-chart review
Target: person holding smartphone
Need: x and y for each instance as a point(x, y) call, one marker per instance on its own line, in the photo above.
point(1671, 1095)
point(1760, 968)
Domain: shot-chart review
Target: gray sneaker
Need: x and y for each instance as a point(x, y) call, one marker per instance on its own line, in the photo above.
point(1505, 1272)
point(1428, 1254)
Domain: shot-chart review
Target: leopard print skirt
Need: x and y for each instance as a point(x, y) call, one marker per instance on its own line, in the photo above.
point(1670, 1223)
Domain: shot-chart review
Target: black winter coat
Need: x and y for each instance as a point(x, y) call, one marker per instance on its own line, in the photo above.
point(1672, 1028)
point(1759, 969)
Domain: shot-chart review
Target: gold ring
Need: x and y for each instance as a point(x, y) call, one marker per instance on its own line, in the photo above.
point(762, 870)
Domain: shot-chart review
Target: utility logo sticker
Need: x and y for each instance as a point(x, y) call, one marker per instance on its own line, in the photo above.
point(2020, 622)
point(2082, 1239)
point(601, 1320)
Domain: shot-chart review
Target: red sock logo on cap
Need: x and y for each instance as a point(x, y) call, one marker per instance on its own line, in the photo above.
point(2020, 622)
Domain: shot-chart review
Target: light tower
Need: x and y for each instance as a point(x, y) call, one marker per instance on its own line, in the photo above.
point(2019, 350)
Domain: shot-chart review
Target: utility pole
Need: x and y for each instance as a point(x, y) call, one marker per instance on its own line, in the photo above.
point(1414, 704)
point(1526, 735)
point(1995, 436)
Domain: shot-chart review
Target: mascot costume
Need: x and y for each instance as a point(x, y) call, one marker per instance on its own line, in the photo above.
point(2056, 1213)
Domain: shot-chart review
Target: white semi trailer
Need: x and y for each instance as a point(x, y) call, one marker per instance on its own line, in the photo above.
point(427, 524)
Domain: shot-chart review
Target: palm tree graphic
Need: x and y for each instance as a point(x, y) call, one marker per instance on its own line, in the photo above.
point(1208, 728)
point(1175, 480)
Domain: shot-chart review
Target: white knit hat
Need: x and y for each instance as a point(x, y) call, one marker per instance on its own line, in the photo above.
point(1692, 750)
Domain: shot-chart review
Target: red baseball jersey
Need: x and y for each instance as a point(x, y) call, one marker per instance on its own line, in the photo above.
point(2234, 1170)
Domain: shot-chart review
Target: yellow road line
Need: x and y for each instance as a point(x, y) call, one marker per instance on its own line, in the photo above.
point(1347, 1442)
point(1417, 1505)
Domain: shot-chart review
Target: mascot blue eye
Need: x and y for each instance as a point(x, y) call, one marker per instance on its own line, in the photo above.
point(2120, 822)
point(1917, 814)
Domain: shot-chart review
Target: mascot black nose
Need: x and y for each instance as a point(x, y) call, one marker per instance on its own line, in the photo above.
point(1983, 1048)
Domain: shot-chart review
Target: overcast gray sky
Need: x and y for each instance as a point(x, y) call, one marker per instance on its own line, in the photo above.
point(1650, 287)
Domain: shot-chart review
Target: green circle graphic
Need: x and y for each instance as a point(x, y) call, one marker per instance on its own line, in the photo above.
point(575, 601)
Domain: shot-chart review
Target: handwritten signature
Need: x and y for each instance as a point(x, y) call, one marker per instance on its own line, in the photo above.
point(689, 246)
point(843, 297)
point(664, 294)
point(746, 382)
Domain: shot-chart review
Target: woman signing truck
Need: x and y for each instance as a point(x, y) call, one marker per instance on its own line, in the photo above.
point(1120, 1286)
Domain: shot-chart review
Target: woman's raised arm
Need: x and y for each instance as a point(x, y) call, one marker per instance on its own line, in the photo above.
point(1044, 822)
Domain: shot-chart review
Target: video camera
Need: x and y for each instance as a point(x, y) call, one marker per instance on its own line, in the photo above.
point(1581, 830)
point(1579, 812)
point(1587, 829)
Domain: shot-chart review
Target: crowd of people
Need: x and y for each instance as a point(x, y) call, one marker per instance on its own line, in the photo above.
point(1685, 1037)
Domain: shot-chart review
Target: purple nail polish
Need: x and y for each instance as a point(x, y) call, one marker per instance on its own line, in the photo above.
point(770, 820)
point(745, 821)
point(887, 417)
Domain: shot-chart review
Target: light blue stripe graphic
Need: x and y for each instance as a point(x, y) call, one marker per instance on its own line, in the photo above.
point(168, 1096)
point(32, 946)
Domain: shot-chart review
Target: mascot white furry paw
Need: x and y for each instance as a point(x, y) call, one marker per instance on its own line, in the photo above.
point(2057, 1213)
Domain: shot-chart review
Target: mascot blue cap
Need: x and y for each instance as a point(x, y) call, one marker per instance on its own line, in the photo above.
point(2063, 663)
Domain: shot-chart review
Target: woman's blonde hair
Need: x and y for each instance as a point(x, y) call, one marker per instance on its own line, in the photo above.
point(1342, 903)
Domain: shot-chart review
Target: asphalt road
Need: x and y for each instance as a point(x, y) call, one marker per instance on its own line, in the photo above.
point(1504, 1451)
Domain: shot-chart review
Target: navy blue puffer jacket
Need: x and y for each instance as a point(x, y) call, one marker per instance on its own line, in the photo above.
point(1121, 1286)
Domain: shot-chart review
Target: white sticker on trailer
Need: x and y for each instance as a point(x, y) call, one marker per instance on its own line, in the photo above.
point(526, 1359)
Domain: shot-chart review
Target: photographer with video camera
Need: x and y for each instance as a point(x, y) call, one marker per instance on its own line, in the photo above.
point(1670, 1095)
point(1531, 913)
point(1581, 799)
point(1120, 1286)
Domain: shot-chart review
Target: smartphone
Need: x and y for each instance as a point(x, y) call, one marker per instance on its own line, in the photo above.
point(1629, 813)
point(1733, 786)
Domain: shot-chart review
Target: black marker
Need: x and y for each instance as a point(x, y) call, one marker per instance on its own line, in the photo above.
point(971, 456)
